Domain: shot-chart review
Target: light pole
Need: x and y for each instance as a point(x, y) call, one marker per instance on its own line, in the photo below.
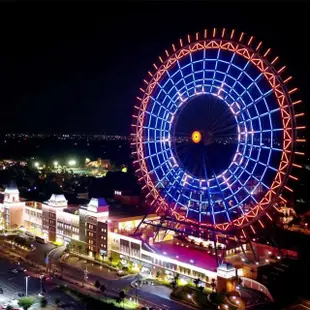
point(26, 279)
point(41, 284)
point(85, 275)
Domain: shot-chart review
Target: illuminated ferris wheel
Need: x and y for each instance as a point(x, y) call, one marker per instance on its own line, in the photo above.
point(215, 132)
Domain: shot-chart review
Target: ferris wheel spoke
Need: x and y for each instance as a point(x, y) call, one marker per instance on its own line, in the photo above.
point(222, 118)
point(224, 129)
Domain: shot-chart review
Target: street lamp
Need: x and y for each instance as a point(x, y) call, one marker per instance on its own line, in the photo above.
point(55, 163)
point(36, 164)
point(26, 279)
point(72, 162)
point(41, 284)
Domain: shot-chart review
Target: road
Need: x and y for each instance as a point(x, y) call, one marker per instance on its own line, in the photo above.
point(114, 286)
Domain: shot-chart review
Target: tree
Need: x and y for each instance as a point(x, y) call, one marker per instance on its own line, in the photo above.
point(213, 284)
point(201, 288)
point(97, 285)
point(176, 277)
point(26, 302)
point(2, 222)
point(43, 302)
point(68, 248)
point(103, 288)
point(157, 274)
point(111, 259)
point(174, 284)
point(9, 307)
point(196, 282)
point(122, 296)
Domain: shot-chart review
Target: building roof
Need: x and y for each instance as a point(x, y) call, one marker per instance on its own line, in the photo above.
point(226, 266)
point(11, 188)
point(58, 200)
point(186, 255)
point(97, 205)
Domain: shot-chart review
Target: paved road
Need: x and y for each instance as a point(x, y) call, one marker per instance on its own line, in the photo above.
point(152, 296)
point(41, 251)
point(114, 286)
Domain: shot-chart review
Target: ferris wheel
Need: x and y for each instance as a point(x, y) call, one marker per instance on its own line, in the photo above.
point(215, 132)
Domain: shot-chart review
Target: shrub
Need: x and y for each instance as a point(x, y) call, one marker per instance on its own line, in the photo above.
point(43, 302)
point(26, 302)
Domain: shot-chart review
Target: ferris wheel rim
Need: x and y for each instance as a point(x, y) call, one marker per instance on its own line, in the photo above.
point(277, 86)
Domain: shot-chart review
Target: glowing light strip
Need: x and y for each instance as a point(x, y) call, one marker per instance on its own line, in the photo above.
point(287, 127)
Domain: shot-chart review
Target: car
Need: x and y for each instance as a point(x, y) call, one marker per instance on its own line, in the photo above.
point(21, 269)
point(21, 294)
point(14, 270)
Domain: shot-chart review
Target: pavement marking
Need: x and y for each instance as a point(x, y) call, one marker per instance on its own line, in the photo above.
point(165, 306)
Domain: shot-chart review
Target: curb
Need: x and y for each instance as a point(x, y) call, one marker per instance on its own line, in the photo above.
point(185, 303)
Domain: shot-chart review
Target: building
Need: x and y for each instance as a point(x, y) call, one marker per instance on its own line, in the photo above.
point(97, 232)
point(12, 208)
point(94, 226)
point(100, 163)
point(126, 197)
point(100, 231)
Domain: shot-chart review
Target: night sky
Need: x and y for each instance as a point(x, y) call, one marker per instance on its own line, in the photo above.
point(77, 67)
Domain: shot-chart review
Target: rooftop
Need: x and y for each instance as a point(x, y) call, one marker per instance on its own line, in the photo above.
point(97, 205)
point(11, 188)
point(186, 255)
point(57, 200)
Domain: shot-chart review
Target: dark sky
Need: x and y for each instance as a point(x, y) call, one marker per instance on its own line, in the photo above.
point(77, 67)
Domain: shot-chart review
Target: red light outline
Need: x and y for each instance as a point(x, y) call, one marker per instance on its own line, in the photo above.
point(284, 101)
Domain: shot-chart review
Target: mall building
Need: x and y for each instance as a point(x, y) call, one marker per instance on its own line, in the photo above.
point(100, 232)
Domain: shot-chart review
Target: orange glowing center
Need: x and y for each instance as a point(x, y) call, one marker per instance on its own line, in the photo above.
point(196, 136)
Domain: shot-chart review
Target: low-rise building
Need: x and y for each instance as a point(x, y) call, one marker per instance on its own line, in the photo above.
point(99, 231)
point(12, 208)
